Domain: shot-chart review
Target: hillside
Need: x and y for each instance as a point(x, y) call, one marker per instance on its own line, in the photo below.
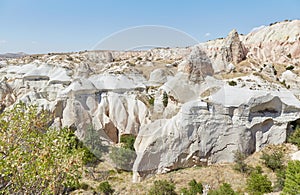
point(185, 107)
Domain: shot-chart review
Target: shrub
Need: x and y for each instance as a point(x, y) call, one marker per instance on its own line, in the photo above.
point(292, 181)
point(151, 101)
point(89, 158)
point(273, 161)
point(232, 83)
point(162, 187)
point(291, 67)
point(92, 146)
point(289, 55)
point(194, 188)
point(225, 188)
point(240, 165)
point(294, 138)
point(105, 188)
point(258, 184)
point(280, 174)
point(165, 99)
point(36, 159)
point(128, 141)
point(123, 158)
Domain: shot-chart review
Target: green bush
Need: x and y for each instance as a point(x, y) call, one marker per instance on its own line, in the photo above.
point(258, 184)
point(194, 188)
point(123, 158)
point(89, 158)
point(280, 174)
point(128, 141)
point(232, 83)
point(294, 138)
point(105, 188)
point(151, 100)
point(292, 181)
point(35, 159)
point(240, 165)
point(165, 99)
point(162, 187)
point(92, 146)
point(290, 67)
point(225, 188)
point(273, 161)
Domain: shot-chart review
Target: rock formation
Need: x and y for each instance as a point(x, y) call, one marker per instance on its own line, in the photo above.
point(187, 106)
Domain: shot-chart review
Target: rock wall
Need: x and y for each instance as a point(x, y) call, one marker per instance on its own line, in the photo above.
point(211, 132)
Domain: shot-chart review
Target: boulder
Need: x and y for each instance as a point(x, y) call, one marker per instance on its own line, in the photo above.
point(212, 131)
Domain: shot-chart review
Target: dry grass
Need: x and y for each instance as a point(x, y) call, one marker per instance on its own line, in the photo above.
point(214, 175)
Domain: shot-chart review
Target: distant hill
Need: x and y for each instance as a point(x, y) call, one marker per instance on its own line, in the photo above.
point(13, 55)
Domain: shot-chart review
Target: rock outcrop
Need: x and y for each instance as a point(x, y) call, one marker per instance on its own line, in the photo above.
point(210, 132)
point(278, 43)
point(187, 106)
point(222, 53)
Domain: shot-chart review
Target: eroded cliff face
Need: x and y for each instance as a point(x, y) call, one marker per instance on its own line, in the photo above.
point(178, 102)
point(278, 43)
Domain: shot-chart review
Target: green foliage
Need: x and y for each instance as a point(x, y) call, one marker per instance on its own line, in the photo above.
point(292, 181)
point(232, 83)
point(89, 158)
point(123, 158)
point(194, 188)
point(105, 188)
point(280, 174)
point(35, 159)
point(128, 141)
point(162, 187)
point(258, 184)
point(273, 161)
point(240, 165)
point(151, 100)
point(290, 67)
point(92, 146)
point(294, 138)
point(225, 188)
point(165, 99)
point(289, 55)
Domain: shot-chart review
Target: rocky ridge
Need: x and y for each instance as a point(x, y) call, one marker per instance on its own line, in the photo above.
point(224, 95)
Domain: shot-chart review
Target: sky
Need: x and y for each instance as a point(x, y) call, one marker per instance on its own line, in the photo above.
point(43, 26)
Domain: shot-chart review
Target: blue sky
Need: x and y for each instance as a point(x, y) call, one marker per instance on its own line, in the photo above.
point(42, 26)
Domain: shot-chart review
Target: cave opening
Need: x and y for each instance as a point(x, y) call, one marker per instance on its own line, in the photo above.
point(291, 127)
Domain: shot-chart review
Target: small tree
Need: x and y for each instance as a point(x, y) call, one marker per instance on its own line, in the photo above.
point(162, 187)
point(165, 99)
point(35, 159)
point(240, 165)
point(280, 174)
point(291, 67)
point(123, 158)
point(232, 83)
point(294, 138)
point(225, 188)
point(273, 161)
point(105, 188)
point(258, 184)
point(194, 188)
point(292, 181)
point(128, 141)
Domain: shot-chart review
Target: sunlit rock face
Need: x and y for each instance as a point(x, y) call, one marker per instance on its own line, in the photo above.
point(278, 43)
point(210, 132)
point(186, 106)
